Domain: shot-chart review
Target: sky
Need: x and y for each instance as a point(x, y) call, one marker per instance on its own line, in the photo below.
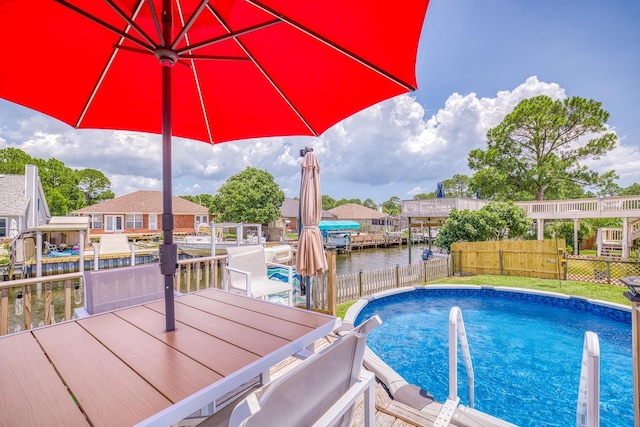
point(476, 61)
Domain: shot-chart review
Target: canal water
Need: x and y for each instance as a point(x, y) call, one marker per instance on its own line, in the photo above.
point(374, 259)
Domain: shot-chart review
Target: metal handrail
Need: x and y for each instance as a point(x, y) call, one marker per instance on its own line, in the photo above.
point(588, 410)
point(456, 329)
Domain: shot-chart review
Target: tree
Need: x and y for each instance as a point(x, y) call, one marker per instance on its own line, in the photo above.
point(13, 161)
point(538, 149)
point(393, 206)
point(328, 202)
point(201, 199)
point(95, 186)
point(495, 221)
point(370, 204)
point(250, 196)
point(458, 186)
point(632, 190)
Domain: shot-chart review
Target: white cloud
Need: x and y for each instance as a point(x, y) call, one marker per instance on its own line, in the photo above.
point(389, 149)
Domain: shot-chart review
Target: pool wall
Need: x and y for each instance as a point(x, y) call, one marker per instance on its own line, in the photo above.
point(602, 308)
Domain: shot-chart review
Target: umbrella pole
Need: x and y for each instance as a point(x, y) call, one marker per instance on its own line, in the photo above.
point(168, 249)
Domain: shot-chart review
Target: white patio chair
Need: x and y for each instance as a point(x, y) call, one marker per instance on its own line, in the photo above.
point(246, 273)
point(321, 391)
point(50, 247)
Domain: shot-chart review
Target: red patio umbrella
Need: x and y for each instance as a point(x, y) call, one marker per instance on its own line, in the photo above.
point(233, 69)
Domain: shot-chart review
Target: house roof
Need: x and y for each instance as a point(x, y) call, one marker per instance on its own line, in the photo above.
point(356, 212)
point(12, 199)
point(143, 201)
point(289, 209)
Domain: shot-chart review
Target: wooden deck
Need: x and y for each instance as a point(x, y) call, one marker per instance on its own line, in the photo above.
point(389, 413)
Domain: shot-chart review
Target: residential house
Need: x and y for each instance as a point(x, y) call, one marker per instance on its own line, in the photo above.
point(140, 213)
point(371, 220)
point(22, 203)
point(288, 221)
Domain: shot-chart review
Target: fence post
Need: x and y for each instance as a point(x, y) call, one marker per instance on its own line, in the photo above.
point(608, 272)
point(361, 284)
point(460, 261)
point(424, 268)
point(4, 309)
point(501, 262)
point(331, 283)
point(397, 275)
point(566, 266)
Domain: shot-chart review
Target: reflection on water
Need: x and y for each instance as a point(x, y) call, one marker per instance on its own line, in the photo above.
point(373, 259)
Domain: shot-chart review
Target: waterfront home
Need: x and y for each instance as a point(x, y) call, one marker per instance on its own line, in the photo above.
point(140, 213)
point(22, 203)
point(288, 221)
point(371, 220)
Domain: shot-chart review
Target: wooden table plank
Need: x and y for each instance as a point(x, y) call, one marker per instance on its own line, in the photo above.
point(256, 320)
point(172, 373)
point(252, 340)
point(27, 377)
point(212, 352)
point(107, 390)
point(291, 314)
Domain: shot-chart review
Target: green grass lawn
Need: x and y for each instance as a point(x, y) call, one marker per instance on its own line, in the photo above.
point(611, 293)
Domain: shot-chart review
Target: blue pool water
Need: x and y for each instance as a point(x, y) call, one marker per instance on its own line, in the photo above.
point(526, 351)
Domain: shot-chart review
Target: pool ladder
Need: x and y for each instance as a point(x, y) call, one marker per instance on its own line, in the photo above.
point(456, 330)
point(588, 411)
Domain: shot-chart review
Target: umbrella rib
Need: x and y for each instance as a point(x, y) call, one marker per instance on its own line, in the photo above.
point(156, 22)
point(333, 45)
point(189, 23)
point(266, 75)
point(104, 72)
point(196, 79)
point(224, 37)
point(106, 25)
point(131, 23)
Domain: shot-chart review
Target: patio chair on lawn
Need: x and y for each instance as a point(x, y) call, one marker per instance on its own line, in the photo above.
point(321, 391)
point(246, 273)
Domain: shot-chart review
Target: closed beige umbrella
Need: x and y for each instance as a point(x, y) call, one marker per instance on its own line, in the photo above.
point(311, 259)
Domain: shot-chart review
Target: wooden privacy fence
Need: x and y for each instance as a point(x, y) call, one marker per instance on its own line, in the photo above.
point(351, 286)
point(529, 258)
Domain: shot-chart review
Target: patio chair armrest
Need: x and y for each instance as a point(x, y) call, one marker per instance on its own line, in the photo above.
point(245, 409)
point(246, 274)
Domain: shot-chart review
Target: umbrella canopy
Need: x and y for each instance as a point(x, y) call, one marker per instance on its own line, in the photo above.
point(234, 69)
point(310, 259)
point(244, 69)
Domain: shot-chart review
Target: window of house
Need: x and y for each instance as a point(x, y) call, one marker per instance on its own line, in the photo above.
point(153, 221)
point(3, 227)
point(200, 219)
point(134, 221)
point(96, 222)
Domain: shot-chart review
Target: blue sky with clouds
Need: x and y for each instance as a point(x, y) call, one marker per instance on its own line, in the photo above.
point(477, 60)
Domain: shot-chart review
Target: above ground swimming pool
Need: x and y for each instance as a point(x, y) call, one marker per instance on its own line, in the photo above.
point(526, 351)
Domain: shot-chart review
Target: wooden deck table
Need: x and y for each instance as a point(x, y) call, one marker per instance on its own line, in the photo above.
point(121, 369)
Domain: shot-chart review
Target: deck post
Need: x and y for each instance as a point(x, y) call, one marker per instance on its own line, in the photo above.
point(331, 282)
point(576, 229)
point(625, 237)
point(540, 223)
